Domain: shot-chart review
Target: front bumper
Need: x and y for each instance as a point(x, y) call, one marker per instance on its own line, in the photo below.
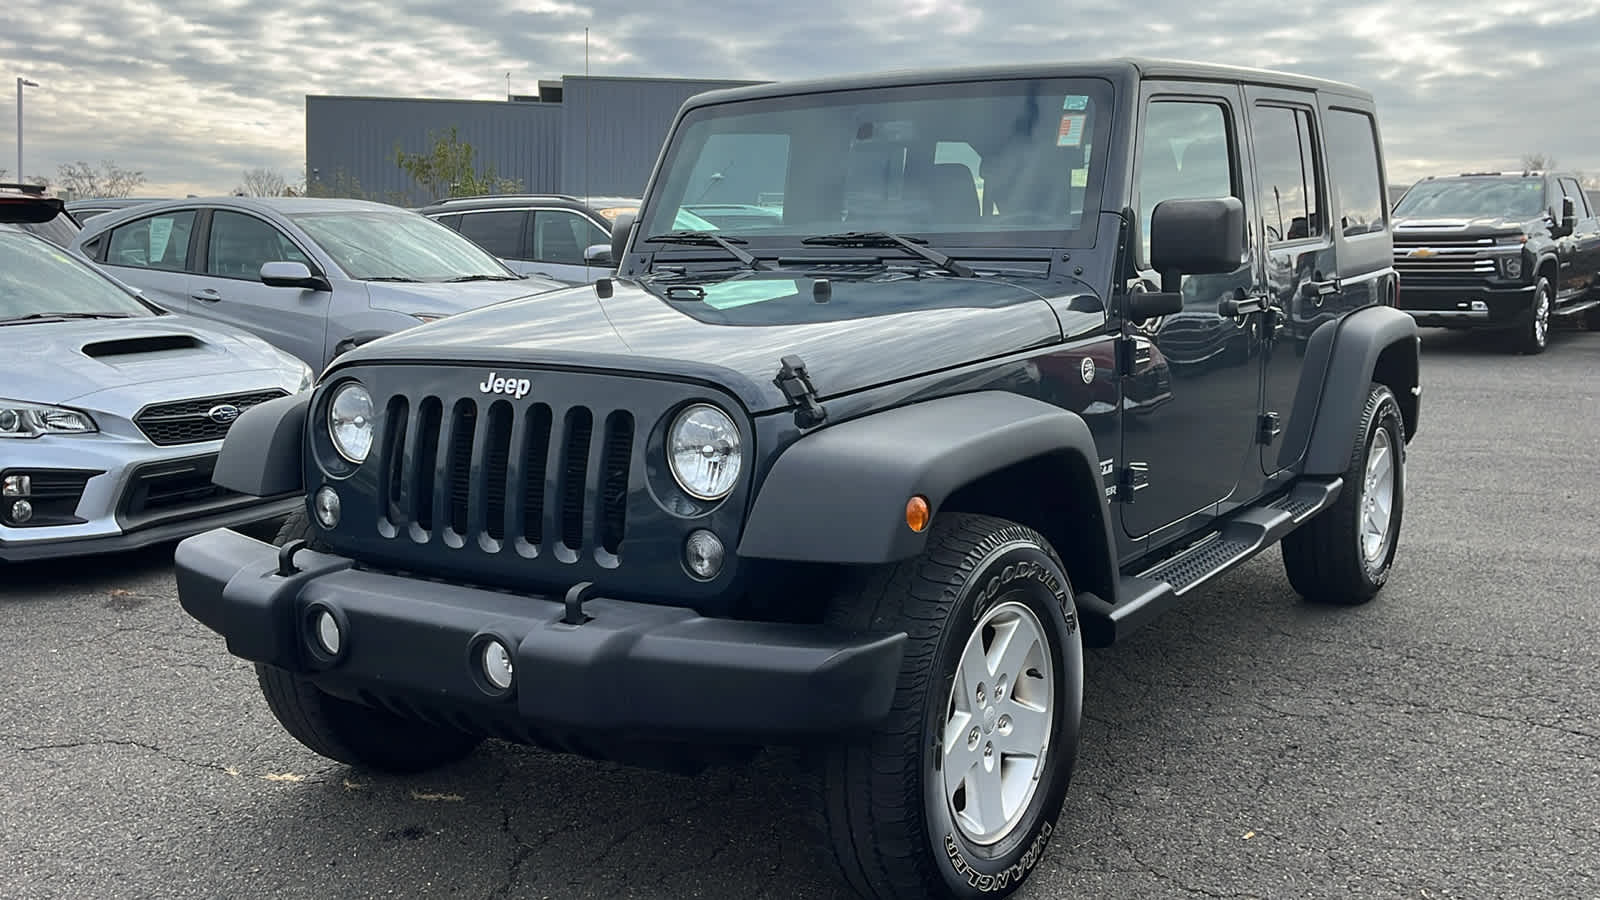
point(1466, 304)
point(637, 670)
point(125, 495)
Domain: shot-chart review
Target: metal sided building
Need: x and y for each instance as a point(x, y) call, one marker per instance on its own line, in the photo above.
point(581, 135)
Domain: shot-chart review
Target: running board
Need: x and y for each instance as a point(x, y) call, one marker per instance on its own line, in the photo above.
point(1575, 308)
point(1248, 531)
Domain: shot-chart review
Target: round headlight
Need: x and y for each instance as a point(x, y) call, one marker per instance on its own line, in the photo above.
point(704, 453)
point(350, 422)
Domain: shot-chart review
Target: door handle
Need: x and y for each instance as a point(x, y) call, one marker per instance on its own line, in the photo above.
point(209, 295)
point(1319, 290)
point(1241, 304)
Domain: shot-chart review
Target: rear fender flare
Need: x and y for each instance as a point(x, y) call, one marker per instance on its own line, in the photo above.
point(1377, 343)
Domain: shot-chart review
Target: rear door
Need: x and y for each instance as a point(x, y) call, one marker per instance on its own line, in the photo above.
point(153, 254)
point(1584, 274)
point(503, 232)
point(1302, 281)
point(229, 289)
point(1362, 239)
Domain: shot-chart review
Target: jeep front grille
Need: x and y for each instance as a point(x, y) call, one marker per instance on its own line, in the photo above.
point(549, 479)
point(190, 422)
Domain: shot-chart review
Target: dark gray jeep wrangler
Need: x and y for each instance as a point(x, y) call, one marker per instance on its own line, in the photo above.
point(1023, 357)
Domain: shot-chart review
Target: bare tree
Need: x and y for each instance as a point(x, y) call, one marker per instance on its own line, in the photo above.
point(263, 183)
point(83, 180)
point(1538, 162)
point(3, 173)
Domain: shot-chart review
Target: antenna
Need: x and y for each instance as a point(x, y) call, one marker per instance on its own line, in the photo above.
point(508, 86)
point(587, 159)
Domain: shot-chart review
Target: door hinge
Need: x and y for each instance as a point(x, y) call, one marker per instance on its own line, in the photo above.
point(1268, 427)
point(1132, 478)
point(796, 385)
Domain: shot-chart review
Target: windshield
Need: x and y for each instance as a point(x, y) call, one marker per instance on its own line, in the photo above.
point(1474, 198)
point(398, 246)
point(999, 163)
point(39, 278)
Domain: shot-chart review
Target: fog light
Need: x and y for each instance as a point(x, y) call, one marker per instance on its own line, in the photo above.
point(703, 554)
point(17, 486)
point(497, 664)
point(326, 503)
point(21, 511)
point(1479, 306)
point(328, 633)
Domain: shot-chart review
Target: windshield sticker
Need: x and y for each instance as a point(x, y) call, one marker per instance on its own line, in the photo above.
point(160, 232)
point(1071, 133)
point(1075, 101)
point(730, 294)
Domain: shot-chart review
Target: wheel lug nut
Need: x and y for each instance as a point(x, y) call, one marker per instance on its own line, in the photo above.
point(1004, 724)
point(972, 738)
point(988, 751)
point(980, 693)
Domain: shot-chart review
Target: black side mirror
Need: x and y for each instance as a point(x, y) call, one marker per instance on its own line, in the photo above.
point(620, 228)
point(1569, 215)
point(292, 274)
point(1189, 237)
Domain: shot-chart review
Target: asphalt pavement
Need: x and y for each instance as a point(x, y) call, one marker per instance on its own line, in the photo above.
point(1443, 741)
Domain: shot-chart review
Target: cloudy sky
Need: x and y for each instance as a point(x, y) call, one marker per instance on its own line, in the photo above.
point(195, 92)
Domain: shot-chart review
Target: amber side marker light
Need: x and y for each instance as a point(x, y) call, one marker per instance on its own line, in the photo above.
point(917, 514)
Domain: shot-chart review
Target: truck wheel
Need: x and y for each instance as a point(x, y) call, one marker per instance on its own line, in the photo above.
point(1533, 336)
point(352, 733)
point(956, 793)
point(1344, 554)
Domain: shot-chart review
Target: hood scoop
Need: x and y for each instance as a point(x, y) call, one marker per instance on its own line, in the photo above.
point(155, 343)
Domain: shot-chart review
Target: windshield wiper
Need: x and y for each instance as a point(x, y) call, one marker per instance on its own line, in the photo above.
point(706, 237)
point(890, 239)
point(38, 316)
point(390, 278)
point(460, 278)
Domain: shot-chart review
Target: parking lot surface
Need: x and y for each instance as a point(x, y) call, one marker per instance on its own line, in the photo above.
point(1443, 741)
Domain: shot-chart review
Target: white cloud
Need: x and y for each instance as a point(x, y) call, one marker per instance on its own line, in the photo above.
point(194, 92)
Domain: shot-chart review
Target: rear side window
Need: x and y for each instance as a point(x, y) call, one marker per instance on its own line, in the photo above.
point(499, 232)
point(156, 242)
point(560, 237)
point(1352, 144)
point(1286, 165)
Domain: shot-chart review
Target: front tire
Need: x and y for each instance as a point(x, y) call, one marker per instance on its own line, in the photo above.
point(347, 732)
point(956, 794)
point(1533, 336)
point(1345, 554)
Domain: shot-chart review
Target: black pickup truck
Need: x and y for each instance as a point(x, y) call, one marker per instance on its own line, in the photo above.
point(1503, 251)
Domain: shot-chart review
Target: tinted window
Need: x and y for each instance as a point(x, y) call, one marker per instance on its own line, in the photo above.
point(59, 230)
point(1477, 197)
point(1184, 156)
point(559, 237)
point(499, 232)
point(1352, 144)
point(157, 242)
point(1286, 166)
point(240, 245)
point(1569, 186)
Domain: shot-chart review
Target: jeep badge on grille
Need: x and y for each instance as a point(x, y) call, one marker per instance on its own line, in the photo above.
point(514, 387)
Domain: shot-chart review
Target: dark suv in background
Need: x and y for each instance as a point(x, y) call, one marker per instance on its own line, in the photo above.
point(34, 209)
point(1496, 250)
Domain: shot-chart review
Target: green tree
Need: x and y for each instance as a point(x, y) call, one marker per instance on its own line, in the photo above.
point(447, 169)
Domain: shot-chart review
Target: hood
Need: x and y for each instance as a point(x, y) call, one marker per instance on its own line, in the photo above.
point(1482, 226)
point(58, 362)
point(415, 297)
point(869, 331)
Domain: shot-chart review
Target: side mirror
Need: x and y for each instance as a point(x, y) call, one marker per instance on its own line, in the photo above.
point(598, 255)
point(620, 229)
point(1569, 215)
point(292, 274)
point(1189, 237)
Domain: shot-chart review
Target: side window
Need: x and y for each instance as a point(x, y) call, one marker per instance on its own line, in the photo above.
point(157, 242)
point(499, 232)
point(451, 221)
point(1352, 144)
point(1569, 186)
point(559, 237)
point(240, 245)
point(1286, 166)
point(1184, 156)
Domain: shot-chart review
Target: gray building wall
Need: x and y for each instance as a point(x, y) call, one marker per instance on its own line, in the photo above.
point(612, 129)
point(351, 141)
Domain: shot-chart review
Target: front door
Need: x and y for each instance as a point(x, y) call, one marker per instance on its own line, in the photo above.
point(1302, 284)
point(229, 288)
point(1585, 240)
point(1191, 451)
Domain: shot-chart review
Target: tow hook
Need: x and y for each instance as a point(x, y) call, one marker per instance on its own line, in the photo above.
point(577, 595)
point(286, 566)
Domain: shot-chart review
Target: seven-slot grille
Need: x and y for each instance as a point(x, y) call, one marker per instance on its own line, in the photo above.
point(190, 422)
point(548, 479)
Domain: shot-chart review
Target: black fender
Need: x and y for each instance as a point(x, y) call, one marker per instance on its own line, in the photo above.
point(1375, 343)
point(261, 456)
point(838, 495)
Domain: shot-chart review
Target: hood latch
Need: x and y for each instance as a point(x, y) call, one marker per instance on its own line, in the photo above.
point(796, 385)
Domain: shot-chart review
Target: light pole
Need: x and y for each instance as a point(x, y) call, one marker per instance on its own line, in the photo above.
point(21, 83)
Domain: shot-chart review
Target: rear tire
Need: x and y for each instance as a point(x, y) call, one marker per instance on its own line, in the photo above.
point(988, 601)
point(352, 733)
point(1344, 555)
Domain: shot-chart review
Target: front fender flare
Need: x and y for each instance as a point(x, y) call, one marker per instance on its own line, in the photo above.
point(839, 495)
point(261, 456)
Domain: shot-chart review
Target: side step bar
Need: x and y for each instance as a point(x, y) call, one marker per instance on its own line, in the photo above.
point(1574, 309)
point(1248, 531)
